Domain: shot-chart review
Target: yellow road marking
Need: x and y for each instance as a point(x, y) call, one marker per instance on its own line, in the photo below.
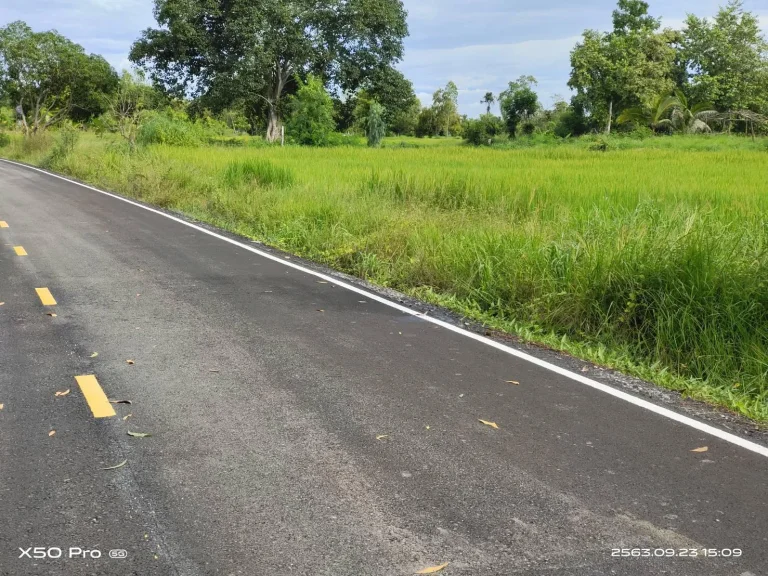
point(45, 296)
point(94, 395)
point(3, 224)
point(20, 251)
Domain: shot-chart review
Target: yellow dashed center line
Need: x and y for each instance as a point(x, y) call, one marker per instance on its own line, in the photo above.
point(94, 395)
point(45, 296)
point(3, 224)
point(20, 251)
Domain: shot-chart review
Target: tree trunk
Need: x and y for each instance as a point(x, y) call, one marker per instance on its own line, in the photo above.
point(610, 118)
point(274, 126)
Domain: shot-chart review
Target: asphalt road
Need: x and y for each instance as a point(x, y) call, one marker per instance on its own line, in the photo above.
point(299, 427)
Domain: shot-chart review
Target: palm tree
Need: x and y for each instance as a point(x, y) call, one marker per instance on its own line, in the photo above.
point(488, 100)
point(682, 118)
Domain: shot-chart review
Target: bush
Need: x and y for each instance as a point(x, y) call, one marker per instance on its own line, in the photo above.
point(311, 121)
point(163, 129)
point(5, 140)
point(65, 143)
point(481, 132)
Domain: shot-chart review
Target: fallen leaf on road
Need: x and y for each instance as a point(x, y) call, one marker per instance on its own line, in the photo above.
point(702, 449)
point(51, 314)
point(120, 402)
point(515, 382)
point(585, 369)
point(131, 362)
point(52, 432)
point(433, 569)
point(322, 282)
point(139, 434)
point(212, 370)
point(320, 310)
point(427, 427)
point(382, 436)
point(127, 416)
point(123, 463)
point(2, 303)
point(1, 406)
point(94, 355)
point(64, 393)
point(491, 424)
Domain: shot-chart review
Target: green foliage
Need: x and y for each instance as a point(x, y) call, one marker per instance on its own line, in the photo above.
point(163, 128)
point(728, 60)
point(250, 51)
point(260, 172)
point(64, 145)
point(518, 103)
point(50, 77)
point(375, 129)
point(625, 68)
point(481, 132)
point(311, 120)
point(5, 140)
point(426, 124)
point(394, 92)
point(445, 111)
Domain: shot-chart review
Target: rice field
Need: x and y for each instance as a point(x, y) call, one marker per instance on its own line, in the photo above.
point(649, 258)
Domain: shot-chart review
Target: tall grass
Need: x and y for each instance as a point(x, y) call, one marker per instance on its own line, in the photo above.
point(654, 260)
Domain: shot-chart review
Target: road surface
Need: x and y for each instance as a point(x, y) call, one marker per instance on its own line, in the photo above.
point(302, 428)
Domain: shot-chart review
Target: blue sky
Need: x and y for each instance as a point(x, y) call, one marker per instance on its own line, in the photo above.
point(479, 44)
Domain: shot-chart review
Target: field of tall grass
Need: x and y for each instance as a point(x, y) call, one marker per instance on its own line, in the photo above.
point(649, 258)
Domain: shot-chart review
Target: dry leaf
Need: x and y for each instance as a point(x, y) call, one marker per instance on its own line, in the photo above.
point(127, 416)
point(322, 282)
point(213, 370)
point(120, 402)
point(64, 393)
point(123, 463)
point(2, 303)
point(585, 369)
point(433, 569)
point(382, 436)
point(320, 310)
point(94, 355)
point(515, 382)
point(1, 406)
point(51, 314)
point(427, 427)
point(491, 424)
point(52, 432)
point(139, 434)
point(131, 362)
point(702, 449)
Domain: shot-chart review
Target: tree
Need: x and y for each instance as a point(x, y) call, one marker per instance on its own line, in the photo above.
point(254, 50)
point(390, 88)
point(445, 108)
point(311, 120)
point(97, 81)
point(43, 75)
point(375, 128)
point(426, 125)
point(728, 60)
point(625, 68)
point(126, 107)
point(405, 120)
point(488, 100)
point(482, 131)
point(518, 103)
point(673, 113)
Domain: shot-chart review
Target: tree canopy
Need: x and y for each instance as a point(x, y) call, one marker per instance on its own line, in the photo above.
point(232, 49)
point(48, 78)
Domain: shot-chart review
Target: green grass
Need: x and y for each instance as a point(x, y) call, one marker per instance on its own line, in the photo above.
point(651, 257)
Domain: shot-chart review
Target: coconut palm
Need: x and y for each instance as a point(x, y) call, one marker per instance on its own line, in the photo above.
point(682, 118)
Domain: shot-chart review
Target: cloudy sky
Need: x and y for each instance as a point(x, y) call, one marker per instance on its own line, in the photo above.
point(479, 44)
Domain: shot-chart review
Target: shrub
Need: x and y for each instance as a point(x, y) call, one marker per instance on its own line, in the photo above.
point(375, 129)
point(262, 172)
point(482, 131)
point(311, 121)
point(65, 143)
point(5, 140)
point(163, 129)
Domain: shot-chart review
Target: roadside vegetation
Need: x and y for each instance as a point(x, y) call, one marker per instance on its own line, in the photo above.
point(626, 226)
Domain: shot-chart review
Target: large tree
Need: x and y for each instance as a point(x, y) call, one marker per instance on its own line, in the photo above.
point(627, 67)
point(48, 78)
point(727, 59)
point(254, 50)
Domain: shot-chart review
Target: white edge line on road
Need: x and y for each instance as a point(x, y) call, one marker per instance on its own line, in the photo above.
point(660, 410)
